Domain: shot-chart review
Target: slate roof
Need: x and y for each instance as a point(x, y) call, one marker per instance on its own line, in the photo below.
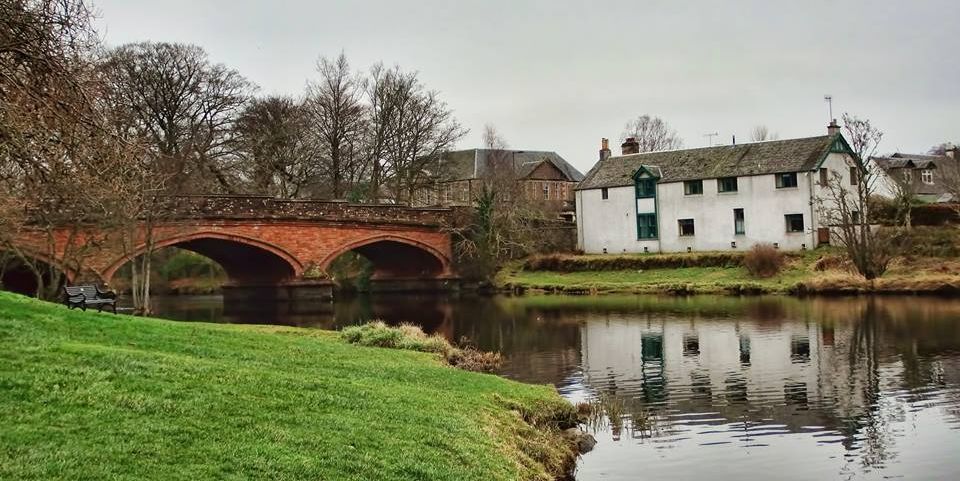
point(897, 161)
point(477, 163)
point(758, 158)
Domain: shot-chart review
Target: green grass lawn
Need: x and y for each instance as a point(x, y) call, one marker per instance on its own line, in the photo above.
point(698, 279)
point(799, 275)
point(98, 396)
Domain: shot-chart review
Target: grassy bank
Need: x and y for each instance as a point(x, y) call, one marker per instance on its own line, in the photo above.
point(816, 271)
point(91, 396)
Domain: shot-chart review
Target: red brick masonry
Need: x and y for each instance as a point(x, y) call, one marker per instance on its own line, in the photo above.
point(264, 240)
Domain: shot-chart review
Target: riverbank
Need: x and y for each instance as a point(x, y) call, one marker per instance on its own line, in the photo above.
point(96, 396)
point(812, 272)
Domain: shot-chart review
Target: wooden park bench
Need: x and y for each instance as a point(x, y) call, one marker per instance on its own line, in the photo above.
point(89, 296)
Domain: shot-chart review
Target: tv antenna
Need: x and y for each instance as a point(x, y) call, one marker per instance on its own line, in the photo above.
point(710, 137)
point(829, 99)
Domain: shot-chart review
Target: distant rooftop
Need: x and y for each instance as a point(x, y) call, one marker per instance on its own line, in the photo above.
point(477, 163)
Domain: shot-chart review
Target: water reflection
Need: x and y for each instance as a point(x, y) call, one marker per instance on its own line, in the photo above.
point(719, 387)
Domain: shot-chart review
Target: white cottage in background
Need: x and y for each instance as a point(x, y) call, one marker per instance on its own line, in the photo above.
point(709, 199)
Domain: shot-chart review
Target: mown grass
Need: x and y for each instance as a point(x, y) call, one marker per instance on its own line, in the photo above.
point(799, 275)
point(98, 396)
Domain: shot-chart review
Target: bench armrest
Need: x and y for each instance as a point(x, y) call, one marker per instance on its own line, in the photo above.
point(74, 298)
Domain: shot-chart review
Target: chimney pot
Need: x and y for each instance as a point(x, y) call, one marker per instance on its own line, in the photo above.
point(630, 146)
point(833, 128)
point(951, 151)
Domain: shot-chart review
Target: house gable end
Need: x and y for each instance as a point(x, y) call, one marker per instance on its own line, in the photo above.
point(839, 145)
point(546, 170)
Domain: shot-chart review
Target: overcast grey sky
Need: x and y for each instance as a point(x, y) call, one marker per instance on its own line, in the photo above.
point(559, 75)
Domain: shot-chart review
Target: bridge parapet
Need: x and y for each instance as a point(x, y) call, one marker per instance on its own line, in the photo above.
point(260, 207)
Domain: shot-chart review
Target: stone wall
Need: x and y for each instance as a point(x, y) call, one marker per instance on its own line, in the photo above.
point(255, 207)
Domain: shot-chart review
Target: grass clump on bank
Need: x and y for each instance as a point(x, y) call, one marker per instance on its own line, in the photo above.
point(97, 396)
point(412, 338)
point(586, 263)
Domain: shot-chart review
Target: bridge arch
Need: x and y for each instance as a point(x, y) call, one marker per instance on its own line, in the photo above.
point(246, 260)
point(396, 257)
point(16, 274)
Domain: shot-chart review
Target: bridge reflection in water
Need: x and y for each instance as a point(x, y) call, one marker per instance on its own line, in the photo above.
point(718, 387)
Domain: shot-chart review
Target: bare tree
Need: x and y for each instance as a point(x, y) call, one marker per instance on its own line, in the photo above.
point(941, 148)
point(338, 119)
point(761, 133)
point(274, 146)
point(904, 190)
point(950, 172)
point(506, 223)
point(183, 105)
point(410, 128)
point(845, 207)
point(652, 133)
point(49, 138)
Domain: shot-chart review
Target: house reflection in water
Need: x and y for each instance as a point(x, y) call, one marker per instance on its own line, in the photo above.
point(790, 368)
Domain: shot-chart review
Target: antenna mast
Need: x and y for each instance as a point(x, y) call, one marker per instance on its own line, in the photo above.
point(829, 99)
point(710, 137)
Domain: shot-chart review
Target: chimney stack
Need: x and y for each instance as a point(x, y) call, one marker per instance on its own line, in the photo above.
point(951, 151)
point(630, 146)
point(604, 149)
point(833, 128)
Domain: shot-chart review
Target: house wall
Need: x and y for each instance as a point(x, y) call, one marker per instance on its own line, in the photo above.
point(464, 192)
point(611, 224)
point(822, 198)
point(764, 208)
point(548, 190)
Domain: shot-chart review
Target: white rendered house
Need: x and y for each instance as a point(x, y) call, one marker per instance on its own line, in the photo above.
point(717, 198)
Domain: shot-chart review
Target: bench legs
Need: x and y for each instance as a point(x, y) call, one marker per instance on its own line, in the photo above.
point(83, 307)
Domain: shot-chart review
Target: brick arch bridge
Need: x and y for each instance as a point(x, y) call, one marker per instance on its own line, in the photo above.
point(283, 249)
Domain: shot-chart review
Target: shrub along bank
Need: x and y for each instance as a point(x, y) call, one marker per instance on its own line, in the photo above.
point(96, 396)
point(808, 272)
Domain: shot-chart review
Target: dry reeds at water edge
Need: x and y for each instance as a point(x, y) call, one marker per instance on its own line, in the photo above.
point(617, 414)
point(412, 338)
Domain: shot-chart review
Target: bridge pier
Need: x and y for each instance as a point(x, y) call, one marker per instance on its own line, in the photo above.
point(308, 293)
point(414, 285)
point(294, 292)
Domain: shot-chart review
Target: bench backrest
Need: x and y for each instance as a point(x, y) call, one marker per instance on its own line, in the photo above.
point(90, 292)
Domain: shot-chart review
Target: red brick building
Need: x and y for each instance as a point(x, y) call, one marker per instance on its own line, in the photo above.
point(540, 176)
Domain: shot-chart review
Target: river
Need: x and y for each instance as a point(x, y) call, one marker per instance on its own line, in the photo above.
point(718, 388)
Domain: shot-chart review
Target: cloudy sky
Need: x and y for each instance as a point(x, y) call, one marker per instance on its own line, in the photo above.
point(559, 75)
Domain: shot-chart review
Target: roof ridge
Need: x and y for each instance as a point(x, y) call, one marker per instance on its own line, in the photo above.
point(745, 144)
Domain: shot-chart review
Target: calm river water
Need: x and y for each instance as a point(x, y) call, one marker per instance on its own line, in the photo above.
point(711, 387)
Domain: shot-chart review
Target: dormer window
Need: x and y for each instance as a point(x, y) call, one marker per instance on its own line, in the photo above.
point(646, 188)
point(926, 175)
point(907, 176)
